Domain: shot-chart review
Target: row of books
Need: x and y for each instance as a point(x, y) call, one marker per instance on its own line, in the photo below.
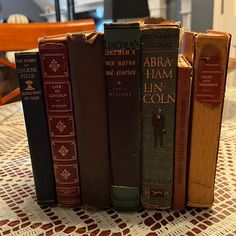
point(115, 119)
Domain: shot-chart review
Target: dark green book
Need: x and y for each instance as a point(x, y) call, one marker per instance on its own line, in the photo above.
point(31, 86)
point(159, 57)
point(122, 60)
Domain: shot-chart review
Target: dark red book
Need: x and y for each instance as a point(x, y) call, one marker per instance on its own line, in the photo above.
point(57, 88)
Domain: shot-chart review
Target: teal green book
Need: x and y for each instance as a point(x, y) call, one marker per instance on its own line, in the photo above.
point(122, 74)
point(159, 60)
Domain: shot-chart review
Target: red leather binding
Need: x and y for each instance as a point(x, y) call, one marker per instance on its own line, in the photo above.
point(57, 88)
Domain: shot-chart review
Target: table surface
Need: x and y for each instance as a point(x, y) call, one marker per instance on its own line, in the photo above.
point(21, 215)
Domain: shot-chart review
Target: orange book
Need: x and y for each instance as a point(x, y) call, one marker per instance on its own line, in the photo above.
point(181, 131)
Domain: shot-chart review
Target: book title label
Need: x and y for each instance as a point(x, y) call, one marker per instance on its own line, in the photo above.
point(209, 80)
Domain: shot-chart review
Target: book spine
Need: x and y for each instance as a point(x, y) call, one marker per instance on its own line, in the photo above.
point(31, 87)
point(57, 87)
point(210, 70)
point(188, 45)
point(122, 52)
point(159, 56)
point(90, 108)
point(181, 137)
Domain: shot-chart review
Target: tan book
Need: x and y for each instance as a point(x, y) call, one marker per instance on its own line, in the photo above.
point(181, 131)
point(209, 60)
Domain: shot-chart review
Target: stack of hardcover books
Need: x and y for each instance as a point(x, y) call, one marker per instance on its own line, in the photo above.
point(121, 119)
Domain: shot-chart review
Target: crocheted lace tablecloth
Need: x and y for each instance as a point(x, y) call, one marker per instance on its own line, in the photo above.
point(21, 215)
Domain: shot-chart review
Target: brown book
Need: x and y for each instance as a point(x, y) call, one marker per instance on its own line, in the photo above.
point(210, 60)
point(86, 55)
point(181, 131)
point(59, 107)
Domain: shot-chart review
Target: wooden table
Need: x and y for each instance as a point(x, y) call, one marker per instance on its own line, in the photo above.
point(21, 215)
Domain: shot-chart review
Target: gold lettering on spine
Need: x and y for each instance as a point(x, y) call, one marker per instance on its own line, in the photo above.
point(121, 65)
point(157, 62)
point(159, 74)
point(159, 98)
point(156, 68)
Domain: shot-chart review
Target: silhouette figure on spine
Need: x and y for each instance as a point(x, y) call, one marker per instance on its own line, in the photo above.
point(158, 124)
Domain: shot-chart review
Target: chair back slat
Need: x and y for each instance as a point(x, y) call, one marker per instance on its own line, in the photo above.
point(16, 37)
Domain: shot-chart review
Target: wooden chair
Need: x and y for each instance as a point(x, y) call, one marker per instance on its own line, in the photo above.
point(17, 37)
